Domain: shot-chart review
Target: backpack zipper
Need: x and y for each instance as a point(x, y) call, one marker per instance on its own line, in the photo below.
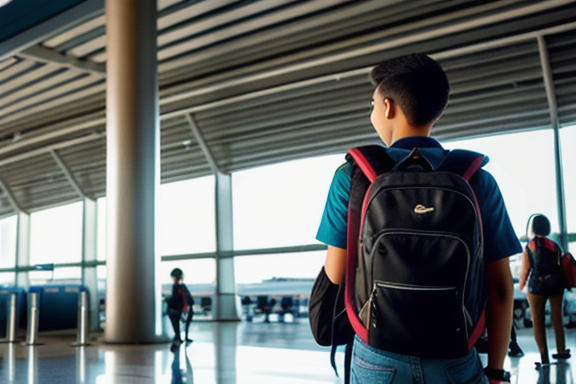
point(411, 287)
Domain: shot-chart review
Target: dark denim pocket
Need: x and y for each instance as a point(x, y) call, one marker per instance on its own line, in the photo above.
point(364, 372)
point(466, 371)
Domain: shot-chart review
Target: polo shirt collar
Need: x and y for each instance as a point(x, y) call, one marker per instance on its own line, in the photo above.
point(430, 148)
point(416, 142)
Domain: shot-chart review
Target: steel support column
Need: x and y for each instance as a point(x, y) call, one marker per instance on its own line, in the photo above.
point(133, 306)
point(553, 107)
point(225, 307)
point(22, 250)
point(89, 254)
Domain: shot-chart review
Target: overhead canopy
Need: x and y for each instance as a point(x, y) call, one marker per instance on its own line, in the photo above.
point(263, 81)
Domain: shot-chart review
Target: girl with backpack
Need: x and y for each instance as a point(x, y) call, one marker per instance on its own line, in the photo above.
point(542, 273)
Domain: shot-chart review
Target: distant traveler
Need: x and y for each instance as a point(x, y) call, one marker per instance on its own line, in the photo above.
point(543, 274)
point(514, 349)
point(410, 96)
point(179, 304)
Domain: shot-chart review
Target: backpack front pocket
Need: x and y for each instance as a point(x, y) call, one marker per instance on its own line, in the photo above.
point(425, 321)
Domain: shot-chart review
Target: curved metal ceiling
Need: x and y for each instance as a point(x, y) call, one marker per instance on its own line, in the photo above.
point(264, 81)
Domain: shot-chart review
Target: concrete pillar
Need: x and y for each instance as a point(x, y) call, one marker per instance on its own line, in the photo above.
point(22, 250)
point(132, 177)
point(89, 254)
point(225, 308)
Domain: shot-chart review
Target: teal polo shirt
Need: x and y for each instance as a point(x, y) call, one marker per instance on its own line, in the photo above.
point(500, 240)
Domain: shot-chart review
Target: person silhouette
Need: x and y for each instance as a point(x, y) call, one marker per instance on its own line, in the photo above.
point(542, 274)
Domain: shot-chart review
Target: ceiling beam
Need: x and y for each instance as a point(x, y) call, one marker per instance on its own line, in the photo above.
point(22, 143)
point(69, 176)
point(202, 143)
point(51, 27)
point(47, 55)
point(51, 136)
point(48, 148)
point(10, 197)
point(446, 25)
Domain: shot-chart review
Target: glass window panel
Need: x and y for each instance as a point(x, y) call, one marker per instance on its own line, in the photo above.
point(56, 235)
point(523, 166)
point(200, 274)
point(256, 269)
point(281, 204)
point(8, 233)
point(101, 274)
point(61, 275)
point(7, 278)
point(568, 147)
point(279, 277)
point(186, 217)
point(40, 277)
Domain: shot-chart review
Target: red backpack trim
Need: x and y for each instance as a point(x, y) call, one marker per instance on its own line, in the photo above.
point(364, 164)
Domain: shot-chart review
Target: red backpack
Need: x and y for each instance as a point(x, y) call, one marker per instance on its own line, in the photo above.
point(569, 266)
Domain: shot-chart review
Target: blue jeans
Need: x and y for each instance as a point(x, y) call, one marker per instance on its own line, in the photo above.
point(376, 366)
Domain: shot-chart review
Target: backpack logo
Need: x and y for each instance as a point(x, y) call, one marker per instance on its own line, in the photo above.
point(420, 209)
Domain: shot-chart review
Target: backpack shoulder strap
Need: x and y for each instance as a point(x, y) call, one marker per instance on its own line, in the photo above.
point(463, 162)
point(367, 163)
point(372, 160)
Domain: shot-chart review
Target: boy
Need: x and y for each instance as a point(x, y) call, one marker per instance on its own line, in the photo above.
point(410, 96)
point(181, 301)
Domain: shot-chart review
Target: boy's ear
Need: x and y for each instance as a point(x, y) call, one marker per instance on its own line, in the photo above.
point(389, 108)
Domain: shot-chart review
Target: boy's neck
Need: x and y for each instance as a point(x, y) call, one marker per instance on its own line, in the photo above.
point(407, 130)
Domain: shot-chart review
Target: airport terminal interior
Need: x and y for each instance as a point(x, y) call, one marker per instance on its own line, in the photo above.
point(139, 136)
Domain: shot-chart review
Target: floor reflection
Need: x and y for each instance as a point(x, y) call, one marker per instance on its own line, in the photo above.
point(222, 353)
point(557, 373)
point(181, 375)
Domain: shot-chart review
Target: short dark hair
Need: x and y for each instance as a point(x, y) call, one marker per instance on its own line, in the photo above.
point(417, 83)
point(540, 225)
point(176, 272)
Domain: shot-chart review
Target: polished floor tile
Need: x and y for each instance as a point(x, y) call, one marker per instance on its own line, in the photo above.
point(222, 353)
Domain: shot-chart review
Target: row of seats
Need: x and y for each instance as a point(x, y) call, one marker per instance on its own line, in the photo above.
point(57, 306)
point(266, 306)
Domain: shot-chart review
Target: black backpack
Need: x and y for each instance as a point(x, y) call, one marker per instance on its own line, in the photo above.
point(545, 259)
point(546, 270)
point(415, 276)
